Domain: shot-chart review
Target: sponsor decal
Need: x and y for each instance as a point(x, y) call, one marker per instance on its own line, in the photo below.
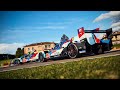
point(80, 32)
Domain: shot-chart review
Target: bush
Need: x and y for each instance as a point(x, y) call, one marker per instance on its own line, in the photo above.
point(116, 45)
point(6, 63)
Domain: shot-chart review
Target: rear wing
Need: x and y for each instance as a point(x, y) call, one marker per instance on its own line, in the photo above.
point(108, 32)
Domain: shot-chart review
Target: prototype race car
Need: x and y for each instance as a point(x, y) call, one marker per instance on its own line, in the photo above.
point(85, 42)
point(28, 58)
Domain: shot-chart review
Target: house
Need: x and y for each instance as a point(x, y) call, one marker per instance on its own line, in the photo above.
point(116, 38)
point(42, 46)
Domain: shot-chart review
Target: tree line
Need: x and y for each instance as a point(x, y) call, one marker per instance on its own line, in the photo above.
point(19, 52)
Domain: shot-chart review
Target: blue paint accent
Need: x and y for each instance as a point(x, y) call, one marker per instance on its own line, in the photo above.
point(105, 41)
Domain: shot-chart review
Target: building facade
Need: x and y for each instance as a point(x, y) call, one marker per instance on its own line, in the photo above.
point(43, 46)
point(116, 38)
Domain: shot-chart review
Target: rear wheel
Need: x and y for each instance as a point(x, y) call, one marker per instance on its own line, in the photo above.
point(98, 49)
point(72, 50)
point(41, 57)
point(95, 49)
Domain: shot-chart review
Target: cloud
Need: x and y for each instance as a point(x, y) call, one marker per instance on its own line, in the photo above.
point(114, 15)
point(10, 48)
point(35, 29)
point(45, 26)
point(115, 24)
point(56, 23)
point(64, 22)
point(51, 27)
point(101, 26)
point(107, 15)
point(116, 28)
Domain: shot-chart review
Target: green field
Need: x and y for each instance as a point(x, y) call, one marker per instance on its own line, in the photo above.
point(102, 68)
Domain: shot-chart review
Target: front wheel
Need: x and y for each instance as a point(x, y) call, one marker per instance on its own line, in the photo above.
point(72, 50)
point(16, 62)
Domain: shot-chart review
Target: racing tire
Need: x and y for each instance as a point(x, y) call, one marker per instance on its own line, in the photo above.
point(72, 51)
point(95, 49)
point(64, 53)
point(41, 57)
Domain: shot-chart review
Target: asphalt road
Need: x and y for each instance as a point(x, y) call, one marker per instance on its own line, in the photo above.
point(36, 64)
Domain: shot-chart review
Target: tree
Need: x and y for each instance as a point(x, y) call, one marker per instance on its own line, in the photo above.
point(22, 51)
point(18, 52)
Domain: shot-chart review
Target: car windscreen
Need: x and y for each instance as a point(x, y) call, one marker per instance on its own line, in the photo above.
point(56, 46)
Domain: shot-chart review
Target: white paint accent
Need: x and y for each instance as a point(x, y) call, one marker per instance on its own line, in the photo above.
point(83, 51)
point(65, 44)
point(57, 52)
point(90, 39)
point(76, 38)
point(34, 58)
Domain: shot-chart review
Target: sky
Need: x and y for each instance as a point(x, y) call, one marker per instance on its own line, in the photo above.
point(20, 28)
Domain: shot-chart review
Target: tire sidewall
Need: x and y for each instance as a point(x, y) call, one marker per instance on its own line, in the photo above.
point(75, 48)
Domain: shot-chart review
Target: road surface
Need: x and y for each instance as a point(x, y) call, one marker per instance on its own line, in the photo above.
point(36, 64)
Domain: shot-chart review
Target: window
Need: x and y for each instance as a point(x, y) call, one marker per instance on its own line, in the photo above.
point(45, 46)
point(48, 46)
point(28, 49)
point(32, 48)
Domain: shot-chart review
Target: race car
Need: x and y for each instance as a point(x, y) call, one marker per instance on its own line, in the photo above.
point(28, 58)
point(85, 42)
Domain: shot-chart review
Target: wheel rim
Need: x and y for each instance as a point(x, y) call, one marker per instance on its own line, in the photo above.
point(16, 62)
point(72, 51)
